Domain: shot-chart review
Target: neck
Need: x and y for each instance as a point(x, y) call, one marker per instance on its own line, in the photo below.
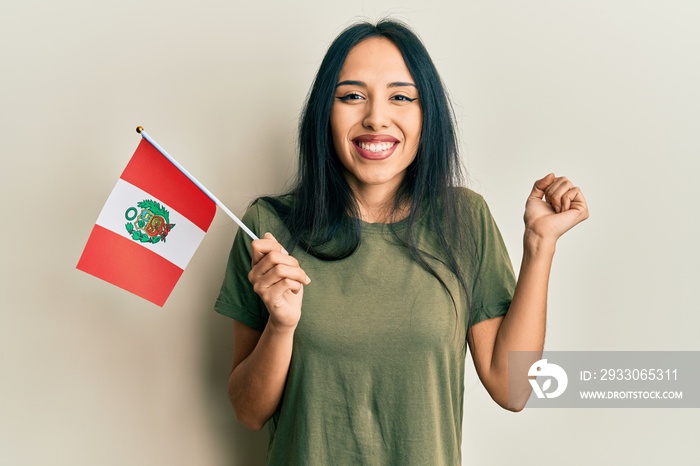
point(377, 205)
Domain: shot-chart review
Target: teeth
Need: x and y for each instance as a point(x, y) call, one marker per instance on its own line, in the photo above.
point(376, 147)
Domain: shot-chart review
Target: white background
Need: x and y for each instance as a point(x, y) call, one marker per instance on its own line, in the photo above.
point(604, 91)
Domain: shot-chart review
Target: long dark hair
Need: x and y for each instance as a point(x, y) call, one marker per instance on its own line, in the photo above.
point(323, 218)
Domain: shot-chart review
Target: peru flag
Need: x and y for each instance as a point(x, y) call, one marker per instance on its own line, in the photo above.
point(149, 228)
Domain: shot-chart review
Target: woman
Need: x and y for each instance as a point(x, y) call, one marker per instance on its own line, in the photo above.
point(363, 363)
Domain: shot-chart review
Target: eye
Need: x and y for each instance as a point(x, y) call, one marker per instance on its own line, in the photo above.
point(349, 97)
point(403, 98)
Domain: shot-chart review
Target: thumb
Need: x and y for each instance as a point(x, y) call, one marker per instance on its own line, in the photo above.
point(540, 186)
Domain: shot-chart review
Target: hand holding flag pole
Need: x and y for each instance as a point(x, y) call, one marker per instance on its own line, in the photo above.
point(144, 134)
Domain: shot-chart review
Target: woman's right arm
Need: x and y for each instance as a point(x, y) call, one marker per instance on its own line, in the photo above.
point(261, 359)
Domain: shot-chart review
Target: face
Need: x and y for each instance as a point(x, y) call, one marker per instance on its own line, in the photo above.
point(376, 117)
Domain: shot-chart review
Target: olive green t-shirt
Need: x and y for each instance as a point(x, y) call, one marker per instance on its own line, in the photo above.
point(377, 369)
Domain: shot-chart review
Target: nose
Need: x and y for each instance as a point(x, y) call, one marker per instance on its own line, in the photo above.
point(377, 116)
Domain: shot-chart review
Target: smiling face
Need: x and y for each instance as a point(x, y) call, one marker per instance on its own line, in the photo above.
point(376, 118)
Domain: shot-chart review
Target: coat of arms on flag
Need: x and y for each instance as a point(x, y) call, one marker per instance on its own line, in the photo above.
point(151, 224)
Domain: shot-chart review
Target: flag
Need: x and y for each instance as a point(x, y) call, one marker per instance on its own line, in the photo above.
point(150, 227)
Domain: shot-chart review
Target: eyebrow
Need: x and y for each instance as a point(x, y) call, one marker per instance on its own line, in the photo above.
point(363, 84)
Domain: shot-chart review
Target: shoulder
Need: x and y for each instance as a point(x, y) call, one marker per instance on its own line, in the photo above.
point(469, 203)
point(266, 214)
point(467, 195)
point(474, 213)
point(267, 207)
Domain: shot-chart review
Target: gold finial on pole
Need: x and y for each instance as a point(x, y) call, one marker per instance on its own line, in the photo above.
point(139, 129)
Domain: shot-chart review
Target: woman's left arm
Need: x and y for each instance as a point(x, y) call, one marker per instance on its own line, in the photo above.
point(554, 206)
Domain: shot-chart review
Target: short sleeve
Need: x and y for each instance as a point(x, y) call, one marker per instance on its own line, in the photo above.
point(494, 282)
point(237, 298)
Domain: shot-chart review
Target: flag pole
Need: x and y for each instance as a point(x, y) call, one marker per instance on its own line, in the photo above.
point(140, 130)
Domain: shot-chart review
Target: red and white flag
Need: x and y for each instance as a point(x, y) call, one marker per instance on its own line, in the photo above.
point(149, 228)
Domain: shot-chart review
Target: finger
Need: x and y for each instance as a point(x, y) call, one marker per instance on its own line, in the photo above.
point(556, 185)
point(277, 295)
point(275, 266)
point(540, 186)
point(282, 272)
point(269, 236)
point(553, 194)
point(568, 197)
point(264, 284)
point(261, 247)
point(283, 286)
point(566, 200)
point(577, 202)
point(571, 199)
point(273, 258)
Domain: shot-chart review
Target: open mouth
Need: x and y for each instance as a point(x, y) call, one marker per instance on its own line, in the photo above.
point(378, 147)
point(375, 148)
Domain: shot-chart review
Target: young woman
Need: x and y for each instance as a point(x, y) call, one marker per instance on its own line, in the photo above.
point(352, 321)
